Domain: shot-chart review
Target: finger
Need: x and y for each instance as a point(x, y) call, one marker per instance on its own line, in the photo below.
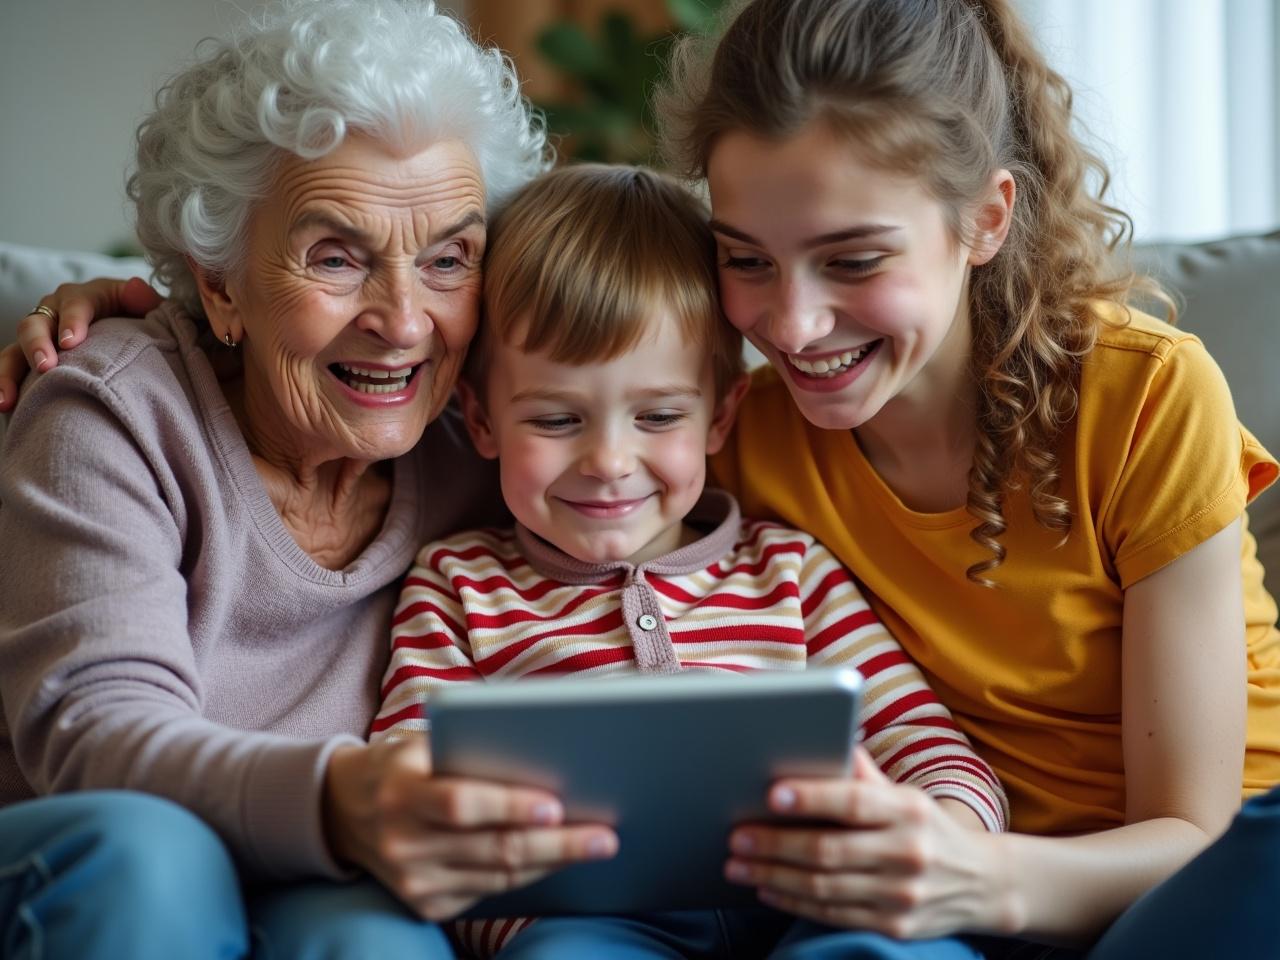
point(545, 848)
point(874, 851)
point(75, 313)
point(35, 339)
point(846, 887)
point(138, 298)
point(468, 804)
point(441, 893)
point(865, 768)
point(854, 803)
point(13, 367)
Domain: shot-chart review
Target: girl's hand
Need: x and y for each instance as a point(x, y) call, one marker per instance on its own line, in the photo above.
point(893, 860)
point(440, 844)
point(76, 305)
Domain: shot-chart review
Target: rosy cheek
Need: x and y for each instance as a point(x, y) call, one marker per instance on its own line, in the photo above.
point(738, 303)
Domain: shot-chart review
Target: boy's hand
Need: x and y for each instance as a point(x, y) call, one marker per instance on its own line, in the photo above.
point(440, 844)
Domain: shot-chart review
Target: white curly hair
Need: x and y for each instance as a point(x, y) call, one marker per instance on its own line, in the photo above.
point(296, 79)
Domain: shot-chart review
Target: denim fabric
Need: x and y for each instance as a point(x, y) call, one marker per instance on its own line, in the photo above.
point(113, 875)
point(1224, 903)
point(742, 934)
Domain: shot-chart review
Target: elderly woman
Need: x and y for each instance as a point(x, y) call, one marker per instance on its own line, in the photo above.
point(197, 590)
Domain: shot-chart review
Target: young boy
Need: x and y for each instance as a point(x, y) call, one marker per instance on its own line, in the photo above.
point(602, 377)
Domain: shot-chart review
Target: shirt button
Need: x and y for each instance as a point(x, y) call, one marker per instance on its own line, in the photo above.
point(647, 622)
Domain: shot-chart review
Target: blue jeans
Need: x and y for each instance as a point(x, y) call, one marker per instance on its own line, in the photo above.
point(116, 874)
point(748, 934)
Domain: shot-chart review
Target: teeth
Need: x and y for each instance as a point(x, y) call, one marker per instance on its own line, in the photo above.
point(376, 381)
point(831, 365)
point(394, 387)
point(400, 374)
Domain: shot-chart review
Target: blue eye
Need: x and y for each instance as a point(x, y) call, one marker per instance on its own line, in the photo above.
point(333, 263)
point(446, 263)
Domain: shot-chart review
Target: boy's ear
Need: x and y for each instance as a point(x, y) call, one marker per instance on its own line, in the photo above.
point(725, 414)
point(992, 218)
point(477, 420)
point(219, 305)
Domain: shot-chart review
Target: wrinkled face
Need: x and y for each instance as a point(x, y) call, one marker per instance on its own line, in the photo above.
point(358, 298)
point(603, 460)
point(847, 278)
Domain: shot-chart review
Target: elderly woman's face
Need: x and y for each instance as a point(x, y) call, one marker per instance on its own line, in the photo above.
point(358, 297)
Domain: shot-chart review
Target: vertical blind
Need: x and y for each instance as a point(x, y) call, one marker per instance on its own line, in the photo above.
point(1180, 98)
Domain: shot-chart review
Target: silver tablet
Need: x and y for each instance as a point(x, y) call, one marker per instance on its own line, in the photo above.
point(671, 762)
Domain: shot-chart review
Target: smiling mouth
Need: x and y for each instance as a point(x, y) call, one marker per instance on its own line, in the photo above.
point(604, 508)
point(374, 380)
point(833, 366)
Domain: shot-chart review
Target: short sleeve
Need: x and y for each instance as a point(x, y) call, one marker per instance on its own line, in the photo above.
point(1189, 469)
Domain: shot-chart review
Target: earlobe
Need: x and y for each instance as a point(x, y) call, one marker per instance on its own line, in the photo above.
point(726, 413)
point(477, 420)
point(992, 219)
point(219, 306)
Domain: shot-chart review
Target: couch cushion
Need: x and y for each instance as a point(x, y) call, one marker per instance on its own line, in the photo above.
point(1230, 291)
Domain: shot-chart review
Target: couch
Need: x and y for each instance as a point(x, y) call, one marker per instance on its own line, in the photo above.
point(1230, 292)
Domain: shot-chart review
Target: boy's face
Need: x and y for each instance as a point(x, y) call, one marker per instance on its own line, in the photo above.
point(603, 460)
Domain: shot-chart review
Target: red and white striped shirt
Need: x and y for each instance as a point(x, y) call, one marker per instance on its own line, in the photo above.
point(747, 596)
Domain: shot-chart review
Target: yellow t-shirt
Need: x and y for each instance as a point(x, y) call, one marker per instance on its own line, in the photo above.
point(1155, 463)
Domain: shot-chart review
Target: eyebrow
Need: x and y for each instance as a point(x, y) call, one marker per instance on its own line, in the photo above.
point(860, 232)
point(330, 223)
point(673, 391)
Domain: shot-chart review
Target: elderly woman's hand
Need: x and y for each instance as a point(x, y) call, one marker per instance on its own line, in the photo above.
point(893, 860)
point(442, 844)
point(74, 307)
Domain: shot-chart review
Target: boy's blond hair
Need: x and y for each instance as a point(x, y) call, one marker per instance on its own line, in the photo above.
point(583, 260)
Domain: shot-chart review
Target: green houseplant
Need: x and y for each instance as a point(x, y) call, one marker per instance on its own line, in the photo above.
point(607, 114)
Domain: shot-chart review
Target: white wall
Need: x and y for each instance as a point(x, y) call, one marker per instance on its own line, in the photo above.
point(76, 76)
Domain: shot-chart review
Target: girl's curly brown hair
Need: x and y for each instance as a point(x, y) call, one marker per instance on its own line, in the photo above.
point(949, 91)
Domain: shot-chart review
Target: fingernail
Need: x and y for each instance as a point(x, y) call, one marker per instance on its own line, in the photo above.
point(65, 336)
point(742, 843)
point(738, 871)
point(39, 359)
point(600, 847)
point(784, 798)
point(546, 813)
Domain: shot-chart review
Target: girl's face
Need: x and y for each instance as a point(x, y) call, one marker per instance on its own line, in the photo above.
point(846, 277)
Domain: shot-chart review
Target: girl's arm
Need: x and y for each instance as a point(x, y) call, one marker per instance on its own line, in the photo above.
point(902, 866)
point(1184, 732)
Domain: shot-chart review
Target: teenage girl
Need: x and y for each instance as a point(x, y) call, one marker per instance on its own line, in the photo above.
point(1042, 489)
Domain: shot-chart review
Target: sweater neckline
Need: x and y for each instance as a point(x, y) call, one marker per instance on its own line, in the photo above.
point(713, 507)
